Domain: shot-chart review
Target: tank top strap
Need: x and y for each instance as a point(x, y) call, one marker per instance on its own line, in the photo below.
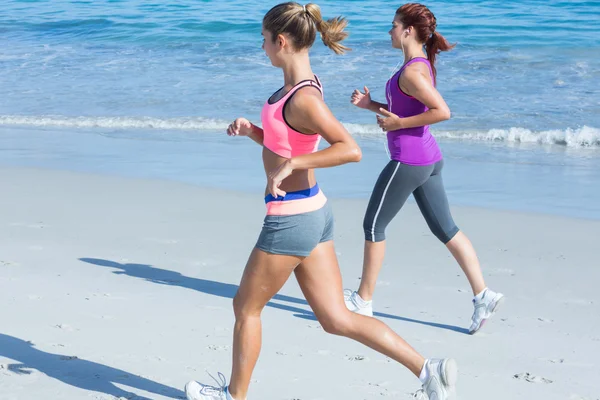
point(315, 84)
point(416, 60)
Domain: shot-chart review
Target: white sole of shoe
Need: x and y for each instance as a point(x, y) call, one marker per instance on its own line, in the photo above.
point(449, 373)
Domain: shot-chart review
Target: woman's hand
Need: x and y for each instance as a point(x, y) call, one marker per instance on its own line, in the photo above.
point(389, 122)
point(277, 176)
point(361, 100)
point(240, 127)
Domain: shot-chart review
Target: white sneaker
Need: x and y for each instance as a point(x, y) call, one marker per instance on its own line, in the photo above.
point(441, 379)
point(198, 391)
point(484, 309)
point(356, 304)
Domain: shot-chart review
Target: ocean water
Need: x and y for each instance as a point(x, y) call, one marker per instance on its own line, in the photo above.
point(146, 88)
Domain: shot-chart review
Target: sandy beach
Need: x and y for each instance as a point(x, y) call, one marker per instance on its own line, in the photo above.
point(116, 288)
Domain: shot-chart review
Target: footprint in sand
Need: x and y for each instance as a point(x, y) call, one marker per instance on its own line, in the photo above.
point(65, 327)
point(545, 320)
point(526, 376)
point(357, 358)
point(553, 360)
point(8, 264)
point(381, 385)
point(110, 296)
point(379, 391)
point(15, 369)
point(382, 389)
point(218, 347)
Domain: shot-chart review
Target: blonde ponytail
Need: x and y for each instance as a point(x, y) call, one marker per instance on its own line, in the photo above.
point(332, 31)
point(301, 24)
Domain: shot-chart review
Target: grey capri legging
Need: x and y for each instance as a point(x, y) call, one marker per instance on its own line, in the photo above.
point(395, 183)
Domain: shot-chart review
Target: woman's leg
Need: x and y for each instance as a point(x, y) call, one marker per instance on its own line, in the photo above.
point(321, 282)
point(396, 182)
point(461, 248)
point(432, 200)
point(263, 276)
point(433, 203)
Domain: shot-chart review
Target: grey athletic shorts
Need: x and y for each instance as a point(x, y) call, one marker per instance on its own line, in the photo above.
point(296, 234)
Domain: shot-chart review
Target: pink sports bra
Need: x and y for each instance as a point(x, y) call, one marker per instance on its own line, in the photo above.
point(279, 136)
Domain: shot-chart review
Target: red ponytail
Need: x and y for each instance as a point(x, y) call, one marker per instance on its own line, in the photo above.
point(423, 21)
point(434, 46)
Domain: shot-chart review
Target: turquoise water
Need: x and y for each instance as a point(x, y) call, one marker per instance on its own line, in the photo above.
point(522, 84)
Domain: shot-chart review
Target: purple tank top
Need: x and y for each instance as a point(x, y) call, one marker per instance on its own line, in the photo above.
point(412, 146)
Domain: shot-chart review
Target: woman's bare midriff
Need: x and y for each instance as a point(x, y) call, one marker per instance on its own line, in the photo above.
point(298, 180)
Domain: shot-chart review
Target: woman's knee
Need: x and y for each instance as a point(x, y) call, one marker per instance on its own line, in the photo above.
point(373, 232)
point(339, 324)
point(243, 308)
point(445, 235)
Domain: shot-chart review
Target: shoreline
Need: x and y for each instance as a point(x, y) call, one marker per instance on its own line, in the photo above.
point(475, 174)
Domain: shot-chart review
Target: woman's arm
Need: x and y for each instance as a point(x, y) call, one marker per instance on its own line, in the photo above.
point(416, 82)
